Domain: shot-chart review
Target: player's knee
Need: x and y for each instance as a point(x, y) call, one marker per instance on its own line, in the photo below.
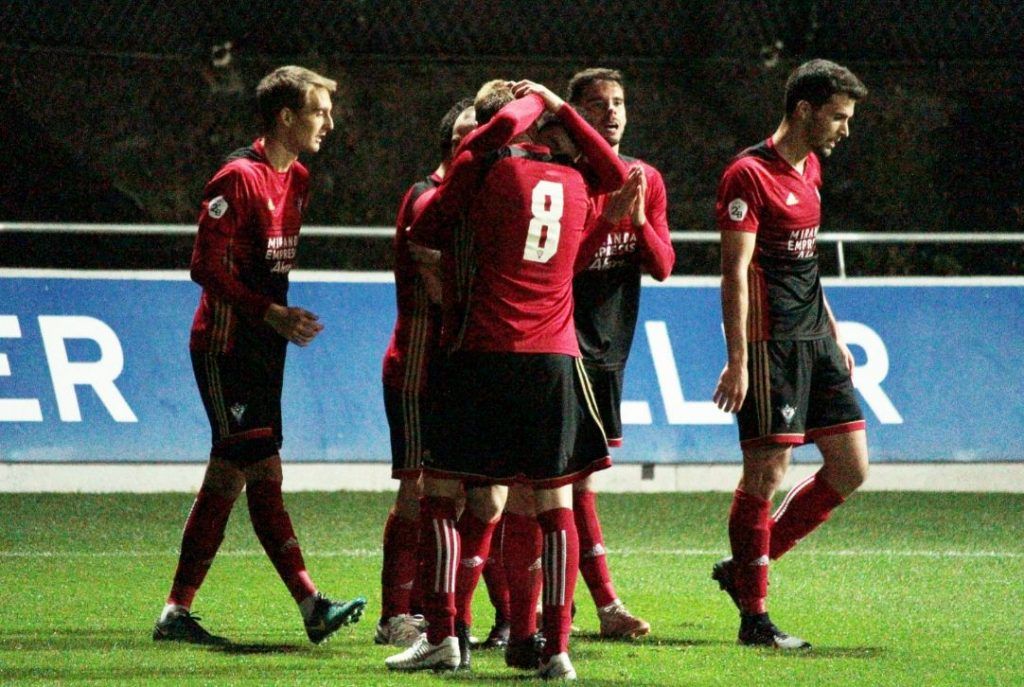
point(486, 504)
point(763, 474)
point(856, 475)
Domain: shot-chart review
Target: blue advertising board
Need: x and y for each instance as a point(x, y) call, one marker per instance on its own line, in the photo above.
point(94, 367)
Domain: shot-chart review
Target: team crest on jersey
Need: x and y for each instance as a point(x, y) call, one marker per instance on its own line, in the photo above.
point(791, 199)
point(270, 204)
point(217, 207)
point(237, 411)
point(737, 210)
point(788, 412)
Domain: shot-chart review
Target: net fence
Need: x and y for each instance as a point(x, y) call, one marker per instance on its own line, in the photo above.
point(118, 111)
point(656, 29)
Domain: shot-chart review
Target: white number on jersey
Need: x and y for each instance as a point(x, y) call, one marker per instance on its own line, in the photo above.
point(545, 227)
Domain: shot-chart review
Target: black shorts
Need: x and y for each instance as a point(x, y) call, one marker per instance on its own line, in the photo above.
point(607, 386)
point(409, 422)
point(516, 417)
point(241, 392)
point(799, 390)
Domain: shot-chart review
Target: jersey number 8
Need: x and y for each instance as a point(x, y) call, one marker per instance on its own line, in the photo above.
point(545, 226)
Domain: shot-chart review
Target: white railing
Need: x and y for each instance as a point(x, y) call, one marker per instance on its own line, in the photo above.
point(838, 238)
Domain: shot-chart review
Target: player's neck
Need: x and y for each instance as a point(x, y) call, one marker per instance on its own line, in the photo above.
point(278, 155)
point(791, 146)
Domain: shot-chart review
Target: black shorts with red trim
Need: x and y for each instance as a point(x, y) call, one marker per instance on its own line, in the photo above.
point(410, 414)
point(799, 390)
point(607, 386)
point(241, 393)
point(516, 417)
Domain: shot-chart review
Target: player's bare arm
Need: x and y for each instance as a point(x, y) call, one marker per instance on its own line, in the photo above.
point(737, 252)
point(295, 324)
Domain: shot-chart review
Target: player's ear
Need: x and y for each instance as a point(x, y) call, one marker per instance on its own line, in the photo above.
point(803, 110)
point(286, 116)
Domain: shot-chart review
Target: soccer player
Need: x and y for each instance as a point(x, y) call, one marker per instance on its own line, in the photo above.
point(514, 400)
point(607, 295)
point(788, 372)
point(411, 353)
point(246, 245)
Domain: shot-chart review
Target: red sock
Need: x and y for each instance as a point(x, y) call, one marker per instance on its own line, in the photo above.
point(593, 561)
point(204, 531)
point(475, 543)
point(749, 535)
point(805, 507)
point(494, 574)
point(561, 562)
point(399, 569)
point(439, 554)
point(274, 530)
point(521, 552)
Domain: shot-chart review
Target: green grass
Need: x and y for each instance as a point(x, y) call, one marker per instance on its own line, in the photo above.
point(897, 589)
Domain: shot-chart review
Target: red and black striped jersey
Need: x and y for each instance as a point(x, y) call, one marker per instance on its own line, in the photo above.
point(761, 192)
point(414, 340)
point(607, 291)
point(246, 246)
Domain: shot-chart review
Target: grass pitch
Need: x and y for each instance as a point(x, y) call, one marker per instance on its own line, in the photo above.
point(897, 589)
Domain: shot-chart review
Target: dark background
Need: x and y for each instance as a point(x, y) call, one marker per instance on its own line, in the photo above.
point(119, 111)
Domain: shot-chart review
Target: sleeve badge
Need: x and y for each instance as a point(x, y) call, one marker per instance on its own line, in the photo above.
point(217, 207)
point(737, 210)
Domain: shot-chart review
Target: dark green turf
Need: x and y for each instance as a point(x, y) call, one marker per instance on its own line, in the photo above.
point(897, 589)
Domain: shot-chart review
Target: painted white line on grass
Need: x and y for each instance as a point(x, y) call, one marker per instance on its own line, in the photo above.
point(376, 553)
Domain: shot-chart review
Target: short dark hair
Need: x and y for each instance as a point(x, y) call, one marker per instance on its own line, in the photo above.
point(287, 87)
point(444, 129)
point(580, 81)
point(818, 80)
point(492, 96)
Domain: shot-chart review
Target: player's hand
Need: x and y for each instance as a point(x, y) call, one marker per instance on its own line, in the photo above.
point(637, 213)
point(732, 388)
point(521, 89)
point(621, 202)
point(844, 350)
point(295, 324)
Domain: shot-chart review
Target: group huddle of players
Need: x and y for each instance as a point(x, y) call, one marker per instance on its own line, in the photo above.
point(518, 272)
point(518, 266)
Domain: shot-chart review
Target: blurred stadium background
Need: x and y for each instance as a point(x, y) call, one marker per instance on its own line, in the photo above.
point(118, 111)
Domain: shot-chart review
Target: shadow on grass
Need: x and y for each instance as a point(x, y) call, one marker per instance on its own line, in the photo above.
point(827, 652)
point(105, 640)
point(513, 678)
point(595, 639)
point(247, 648)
